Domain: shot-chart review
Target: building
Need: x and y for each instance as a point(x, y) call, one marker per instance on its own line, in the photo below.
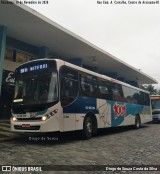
point(27, 35)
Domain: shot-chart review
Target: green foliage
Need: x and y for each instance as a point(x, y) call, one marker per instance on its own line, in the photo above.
point(151, 89)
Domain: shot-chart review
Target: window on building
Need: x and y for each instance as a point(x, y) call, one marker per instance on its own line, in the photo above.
point(22, 57)
point(9, 54)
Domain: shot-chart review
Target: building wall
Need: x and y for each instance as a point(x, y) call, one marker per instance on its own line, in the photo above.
point(16, 53)
point(10, 65)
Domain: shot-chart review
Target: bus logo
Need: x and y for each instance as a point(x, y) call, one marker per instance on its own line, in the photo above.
point(33, 114)
point(6, 168)
point(119, 110)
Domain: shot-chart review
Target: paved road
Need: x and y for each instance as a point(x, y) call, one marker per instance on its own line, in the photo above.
point(119, 146)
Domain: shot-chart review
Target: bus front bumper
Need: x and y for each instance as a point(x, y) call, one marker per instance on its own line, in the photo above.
point(50, 125)
point(156, 117)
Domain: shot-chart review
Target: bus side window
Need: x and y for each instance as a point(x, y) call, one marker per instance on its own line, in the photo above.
point(69, 91)
point(128, 94)
point(146, 99)
point(104, 90)
point(84, 86)
point(88, 85)
point(117, 92)
point(68, 85)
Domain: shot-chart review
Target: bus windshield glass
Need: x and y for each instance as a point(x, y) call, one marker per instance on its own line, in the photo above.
point(39, 88)
point(155, 104)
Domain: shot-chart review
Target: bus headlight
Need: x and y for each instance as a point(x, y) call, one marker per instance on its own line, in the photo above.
point(44, 118)
point(14, 118)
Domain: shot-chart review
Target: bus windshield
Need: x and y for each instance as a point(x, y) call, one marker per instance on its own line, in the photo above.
point(155, 104)
point(36, 89)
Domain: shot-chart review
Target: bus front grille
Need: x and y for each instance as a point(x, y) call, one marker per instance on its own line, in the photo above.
point(29, 119)
point(19, 127)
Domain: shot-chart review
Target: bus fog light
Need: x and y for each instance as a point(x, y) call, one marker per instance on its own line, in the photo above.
point(44, 118)
point(14, 119)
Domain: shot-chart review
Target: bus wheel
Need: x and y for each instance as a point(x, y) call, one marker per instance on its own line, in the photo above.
point(87, 128)
point(137, 122)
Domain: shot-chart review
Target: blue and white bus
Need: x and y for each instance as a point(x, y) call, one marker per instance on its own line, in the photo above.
point(54, 95)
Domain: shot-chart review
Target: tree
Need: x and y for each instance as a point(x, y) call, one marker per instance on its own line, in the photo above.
point(158, 91)
point(150, 88)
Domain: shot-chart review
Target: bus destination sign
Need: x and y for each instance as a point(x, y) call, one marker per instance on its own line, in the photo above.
point(155, 97)
point(33, 68)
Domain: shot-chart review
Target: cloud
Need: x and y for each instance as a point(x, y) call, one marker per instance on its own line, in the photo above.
point(129, 32)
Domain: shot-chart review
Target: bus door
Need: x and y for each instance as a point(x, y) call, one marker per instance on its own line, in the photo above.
point(68, 95)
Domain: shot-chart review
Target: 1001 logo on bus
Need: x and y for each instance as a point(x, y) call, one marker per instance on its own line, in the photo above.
point(119, 110)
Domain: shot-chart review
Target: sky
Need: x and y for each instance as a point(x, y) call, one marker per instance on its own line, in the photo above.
point(131, 32)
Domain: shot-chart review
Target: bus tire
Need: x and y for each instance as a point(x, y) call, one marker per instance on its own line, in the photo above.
point(87, 128)
point(95, 130)
point(137, 122)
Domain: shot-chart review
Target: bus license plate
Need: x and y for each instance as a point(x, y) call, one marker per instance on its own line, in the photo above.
point(26, 125)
